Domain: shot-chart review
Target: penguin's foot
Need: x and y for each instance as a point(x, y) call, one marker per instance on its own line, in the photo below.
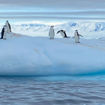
point(1, 38)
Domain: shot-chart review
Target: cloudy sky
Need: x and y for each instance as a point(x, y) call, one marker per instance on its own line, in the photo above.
point(52, 9)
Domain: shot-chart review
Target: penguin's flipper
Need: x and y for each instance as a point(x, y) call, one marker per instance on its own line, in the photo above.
point(58, 32)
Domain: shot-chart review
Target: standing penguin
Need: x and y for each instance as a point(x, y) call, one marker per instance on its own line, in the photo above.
point(8, 26)
point(77, 36)
point(51, 32)
point(3, 32)
point(63, 33)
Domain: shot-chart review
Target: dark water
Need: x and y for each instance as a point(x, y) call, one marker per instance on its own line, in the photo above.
point(58, 90)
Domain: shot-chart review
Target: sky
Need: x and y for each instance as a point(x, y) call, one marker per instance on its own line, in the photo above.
point(52, 10)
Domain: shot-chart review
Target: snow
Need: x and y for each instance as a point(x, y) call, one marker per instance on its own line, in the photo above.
point(26, 55)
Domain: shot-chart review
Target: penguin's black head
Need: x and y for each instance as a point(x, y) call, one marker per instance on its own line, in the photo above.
point(76, 30)
point(52, 26)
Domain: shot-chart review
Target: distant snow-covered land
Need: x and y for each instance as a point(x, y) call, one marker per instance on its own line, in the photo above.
point(89, 30)
point(25, 55)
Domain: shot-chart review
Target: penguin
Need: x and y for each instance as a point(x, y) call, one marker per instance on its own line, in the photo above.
point(63, 33)
point(3, 32)
point(8, 26)
point(77, 36)
point(51, 32)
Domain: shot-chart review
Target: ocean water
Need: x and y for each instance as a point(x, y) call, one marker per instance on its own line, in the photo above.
point(52, 90)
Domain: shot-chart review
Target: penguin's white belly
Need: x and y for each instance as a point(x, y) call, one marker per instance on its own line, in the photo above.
point(62, 34)
point(51, 34)
point(76, 39)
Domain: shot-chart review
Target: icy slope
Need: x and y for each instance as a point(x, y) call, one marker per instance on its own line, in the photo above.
point(22, 55)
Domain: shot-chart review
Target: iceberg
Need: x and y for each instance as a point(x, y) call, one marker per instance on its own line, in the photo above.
point(26, 55)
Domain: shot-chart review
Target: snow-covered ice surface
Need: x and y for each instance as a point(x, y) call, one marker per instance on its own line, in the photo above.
point(24, 55)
